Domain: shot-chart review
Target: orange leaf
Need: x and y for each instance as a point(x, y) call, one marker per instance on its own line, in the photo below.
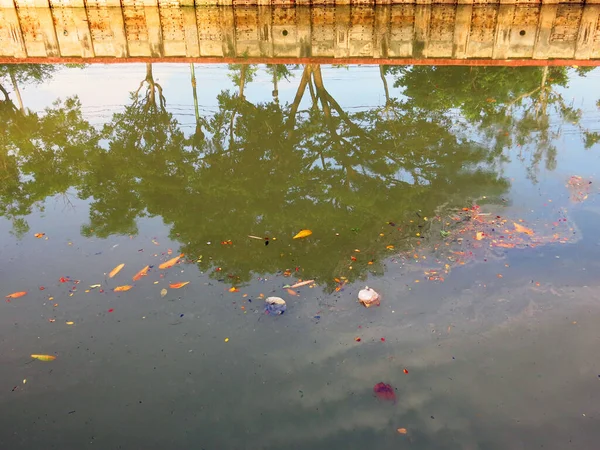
point(122, 288)
point(116, 270)
point(504, 245)
point(302, 283)
point(233, 289)
point(39, 235)
point(178, 285)
point(170, 263)
point(44, 357)
point(141, 273)
point(289, 291)
point(522, 229)
point(17, 294)
point(303, 234)
point(402, 430)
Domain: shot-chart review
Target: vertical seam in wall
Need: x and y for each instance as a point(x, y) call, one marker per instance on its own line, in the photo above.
point(87, 19)
point(54, 29)
point(21, 28)
point(124, 28)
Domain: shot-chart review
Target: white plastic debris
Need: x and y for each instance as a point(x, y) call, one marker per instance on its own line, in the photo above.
point(369, 297)
point(275, 306)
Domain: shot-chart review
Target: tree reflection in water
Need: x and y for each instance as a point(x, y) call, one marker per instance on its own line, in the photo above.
point(270, 169)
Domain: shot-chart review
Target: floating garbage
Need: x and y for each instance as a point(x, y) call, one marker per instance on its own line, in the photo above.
point(275, 306)
point(369, 297)
point(385, 392)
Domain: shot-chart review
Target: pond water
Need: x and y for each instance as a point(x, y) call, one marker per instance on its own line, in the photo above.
point(465, 196)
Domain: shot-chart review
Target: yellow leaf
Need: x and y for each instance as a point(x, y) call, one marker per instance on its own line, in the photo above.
point(44, 357)
point(17, 294)
point(116, 270)
point(522, 229)
point(303, 234)
point(94, 286)
point(170, 263)
point(233, 289)
point(141, 273)
point(479, 235)
point(178, 285)
point(123, 288)
point(70, 323)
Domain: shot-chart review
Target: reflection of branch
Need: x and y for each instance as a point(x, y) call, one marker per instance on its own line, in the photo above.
point(298, 98)
point(312, 95)
point(150, 97)
point(521, 97)
point(385, 85)
point(6, 98)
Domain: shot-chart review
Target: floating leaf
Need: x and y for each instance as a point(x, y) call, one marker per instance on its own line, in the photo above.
point(233, 289)
point(16, 294)
point(302, 283)
point(522, 229)
point(289, 291)
point(479, 235)
point(116, 270)
point(46, 358)
point(303, 234)
point(402, 430)
point(255, 237)
point(141, 273)
point(178, 285)
point(94, 286)
point(123, 288)
point(171, 262)
point(163, 292)
point(39, 235)
point(70, 323)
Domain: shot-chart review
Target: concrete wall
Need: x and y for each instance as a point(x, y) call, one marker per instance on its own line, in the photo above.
point(386, 33)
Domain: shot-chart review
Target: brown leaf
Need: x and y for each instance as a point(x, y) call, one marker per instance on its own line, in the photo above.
point(171, 262)
point(122, 288)
point(116, 270)
point(302, 283)
point(522, 229)
point(141, 273)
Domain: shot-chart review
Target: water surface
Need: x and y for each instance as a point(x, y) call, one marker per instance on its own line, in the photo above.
point(411, 180)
